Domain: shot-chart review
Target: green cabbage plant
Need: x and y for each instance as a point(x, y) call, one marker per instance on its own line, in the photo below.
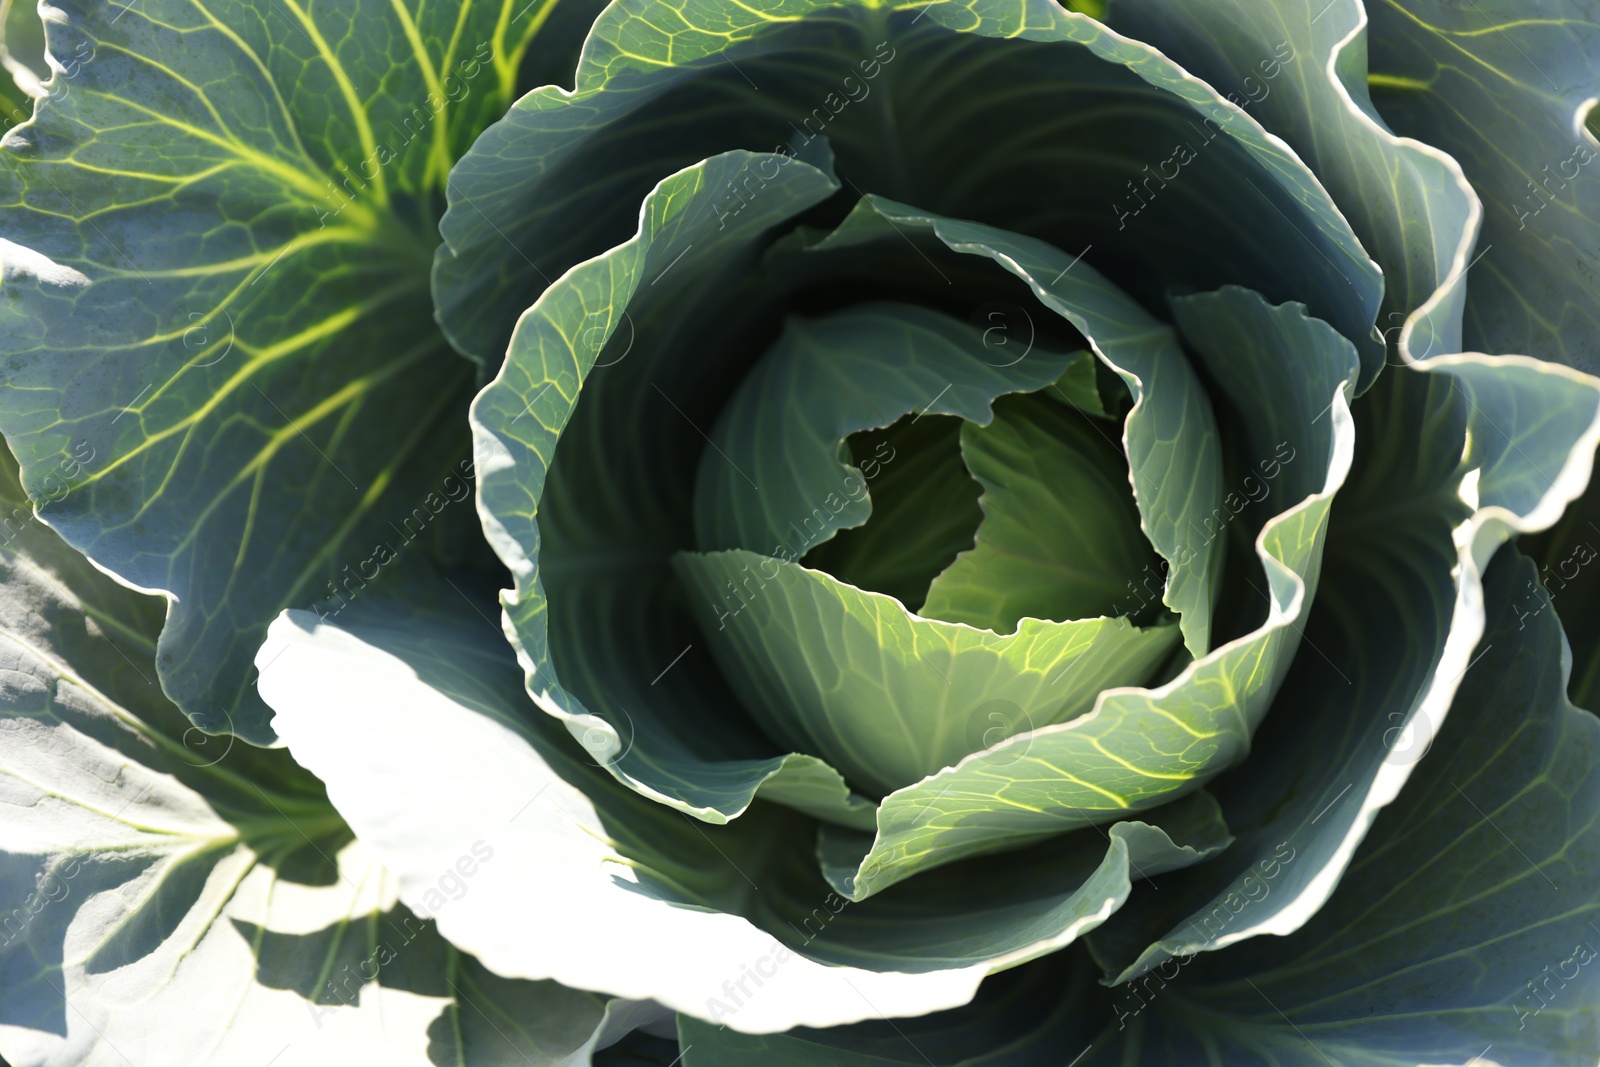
point(983, 533)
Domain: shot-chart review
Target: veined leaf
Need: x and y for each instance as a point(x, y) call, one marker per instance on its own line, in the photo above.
point(1302, 70)
point(168, 897)
point(219, 227)
point(888, 697)
point(1506, 90)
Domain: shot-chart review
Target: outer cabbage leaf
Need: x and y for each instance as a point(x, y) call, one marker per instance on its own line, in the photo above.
point(1567, 585)
point(1507, 90)
point(219, 226)
point(170, 897)
point(1301, 69)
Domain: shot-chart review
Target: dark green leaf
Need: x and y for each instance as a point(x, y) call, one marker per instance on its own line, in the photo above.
point(219, 229)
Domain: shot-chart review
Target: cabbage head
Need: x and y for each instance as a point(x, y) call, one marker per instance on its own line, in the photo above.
point(722, 532)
